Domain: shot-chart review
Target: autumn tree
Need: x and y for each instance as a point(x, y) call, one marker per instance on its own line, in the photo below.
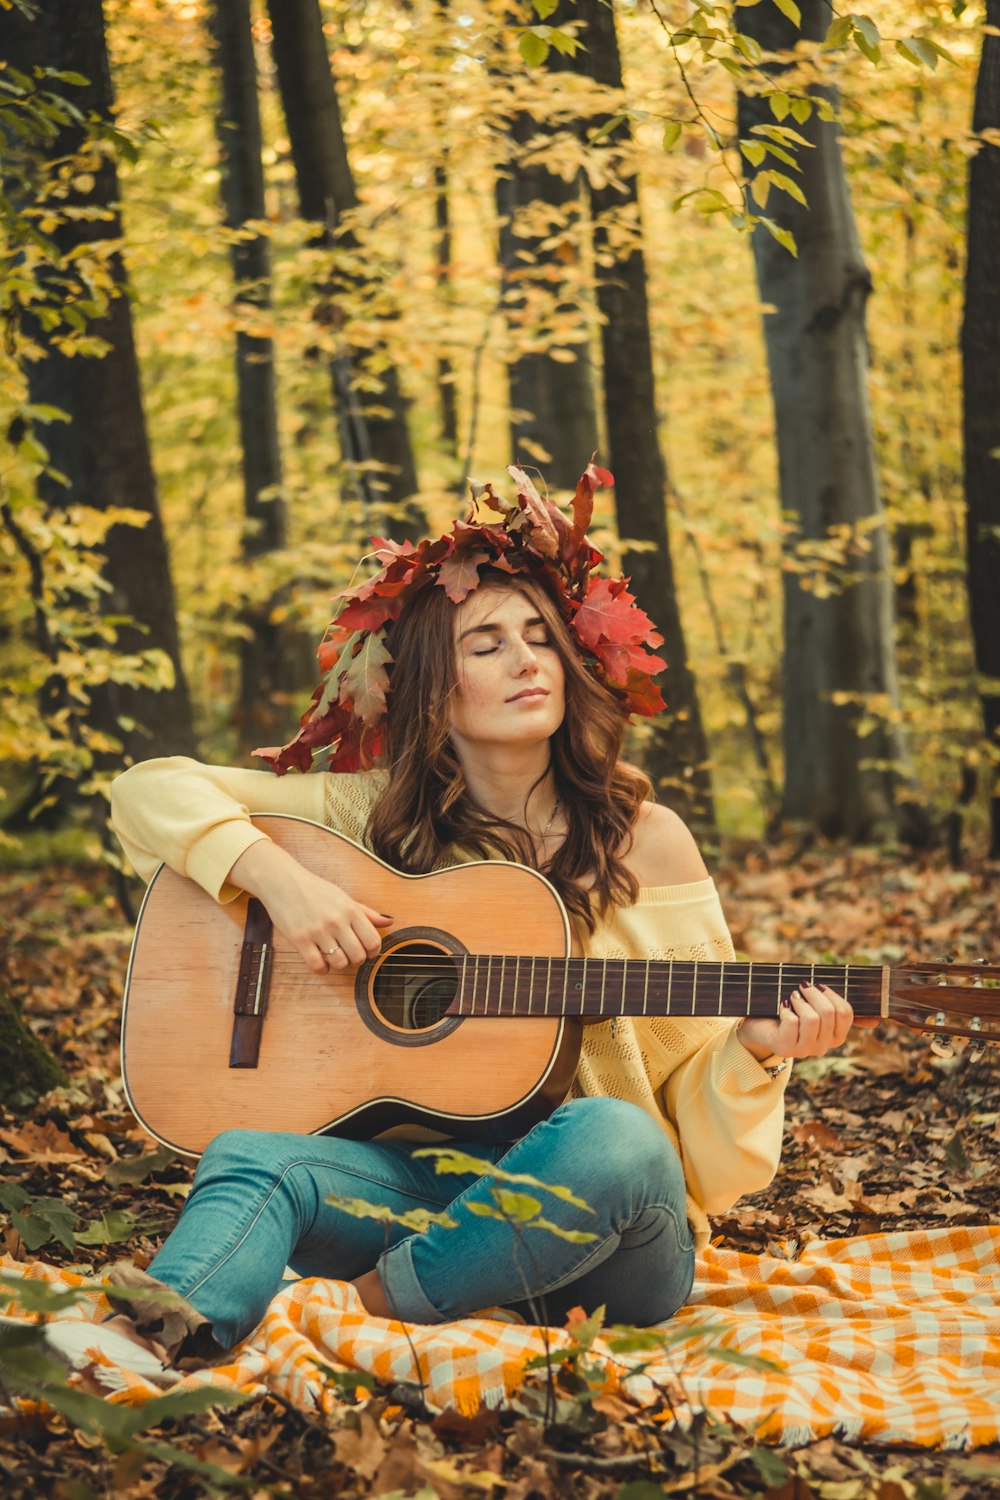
point(845, 758)
point(271, 658)
point(677, 753)
point(553, 410)
point(368, 396)
point(80, 362)
point(981, 369)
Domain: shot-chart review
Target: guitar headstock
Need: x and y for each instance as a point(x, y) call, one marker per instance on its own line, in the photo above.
point(947, 1000)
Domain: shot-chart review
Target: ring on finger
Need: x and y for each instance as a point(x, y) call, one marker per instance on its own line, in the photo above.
point(334, 949)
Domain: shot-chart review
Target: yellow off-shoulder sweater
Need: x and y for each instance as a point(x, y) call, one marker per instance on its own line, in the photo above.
point(723, 1113)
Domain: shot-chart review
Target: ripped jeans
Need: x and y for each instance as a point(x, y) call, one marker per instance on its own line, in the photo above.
point(259, 1204)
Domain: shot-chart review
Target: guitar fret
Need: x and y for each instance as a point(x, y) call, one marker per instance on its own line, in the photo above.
point(749, 985)
point(566, 963)
point(694, 988)
point(722, 971)
point(645, 991)
point(604, 980)
point(670, 983)
point(531, 985)
point(781, 968)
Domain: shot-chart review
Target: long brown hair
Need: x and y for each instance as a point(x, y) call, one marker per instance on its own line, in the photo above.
point(427, 809)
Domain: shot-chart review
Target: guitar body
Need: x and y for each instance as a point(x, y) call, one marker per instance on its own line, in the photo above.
point(355, 1052)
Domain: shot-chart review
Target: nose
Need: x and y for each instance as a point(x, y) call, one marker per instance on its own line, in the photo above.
point(525, 659)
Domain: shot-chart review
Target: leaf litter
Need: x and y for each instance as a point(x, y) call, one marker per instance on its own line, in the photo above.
point(883, 1135)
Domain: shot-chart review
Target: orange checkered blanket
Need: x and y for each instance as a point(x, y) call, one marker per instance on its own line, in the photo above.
point(886, 1338)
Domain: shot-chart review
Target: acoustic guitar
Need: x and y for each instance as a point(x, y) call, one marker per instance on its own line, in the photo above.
point(467, 1021)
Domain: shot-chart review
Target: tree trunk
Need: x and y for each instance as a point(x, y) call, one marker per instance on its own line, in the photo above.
point(26, 1066)
point(447, 394)
point(375, 441)
point(981, 374)
point(553, 413)
point(103, 450)
point(270, 654)
point(677, 758)
point(845, 755)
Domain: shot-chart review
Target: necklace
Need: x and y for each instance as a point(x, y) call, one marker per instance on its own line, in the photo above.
point(548, 827)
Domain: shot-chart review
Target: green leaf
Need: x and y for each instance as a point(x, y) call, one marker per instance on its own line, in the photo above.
point(533, 48)
point(788, 185)
point(754, 152)
point(135, 1169)
point(450, 1160)
point(40, 1297)
point(838, 33)
point(791, 10)
point(573, 1236)
point(521, 1207)
point(760, 189)
point(544, 8)
point(867, 38)
point(112, 1228)
point(918, 51)
point(780, 105)
point(784, 237)
point(417, 1219)
point(671, 134)
point(802, 109)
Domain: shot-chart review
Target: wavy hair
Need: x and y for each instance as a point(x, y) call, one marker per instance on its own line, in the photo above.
point(427, 808)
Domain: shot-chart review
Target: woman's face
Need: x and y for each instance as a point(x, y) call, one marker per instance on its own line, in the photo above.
point(510, 682)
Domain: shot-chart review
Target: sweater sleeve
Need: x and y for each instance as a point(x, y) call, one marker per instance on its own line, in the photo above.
point(196, 818)
point(714, 1100)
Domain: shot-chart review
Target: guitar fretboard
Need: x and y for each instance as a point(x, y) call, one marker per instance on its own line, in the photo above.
point(517, 985)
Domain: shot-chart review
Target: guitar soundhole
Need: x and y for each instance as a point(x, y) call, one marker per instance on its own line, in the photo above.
point(413, 986)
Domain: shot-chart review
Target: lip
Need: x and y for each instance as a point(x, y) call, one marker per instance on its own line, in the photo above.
point(529, 693)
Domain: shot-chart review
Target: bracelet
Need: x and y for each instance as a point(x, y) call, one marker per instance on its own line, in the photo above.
point(774, 1065)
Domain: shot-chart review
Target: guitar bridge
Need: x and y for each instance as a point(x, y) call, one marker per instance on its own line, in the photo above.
point(252, 986)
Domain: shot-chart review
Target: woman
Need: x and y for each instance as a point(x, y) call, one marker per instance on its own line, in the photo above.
point(501, 730)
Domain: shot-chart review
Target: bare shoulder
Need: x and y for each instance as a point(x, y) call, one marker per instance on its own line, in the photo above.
point(663, 849)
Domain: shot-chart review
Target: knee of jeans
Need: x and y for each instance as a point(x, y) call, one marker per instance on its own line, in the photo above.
point(234, 1149)
point(622, 1146)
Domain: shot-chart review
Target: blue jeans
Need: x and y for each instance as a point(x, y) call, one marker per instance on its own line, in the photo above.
point(258, 1203)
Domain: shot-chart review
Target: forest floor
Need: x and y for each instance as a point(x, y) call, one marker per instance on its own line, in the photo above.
point(886, 1135)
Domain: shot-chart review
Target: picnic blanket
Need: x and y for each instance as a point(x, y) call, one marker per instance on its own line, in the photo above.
point(890, 1338)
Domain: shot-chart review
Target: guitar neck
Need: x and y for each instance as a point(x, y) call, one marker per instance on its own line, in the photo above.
point(513, 985)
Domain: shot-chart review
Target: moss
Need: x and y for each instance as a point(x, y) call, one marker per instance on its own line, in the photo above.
point(26, 1066)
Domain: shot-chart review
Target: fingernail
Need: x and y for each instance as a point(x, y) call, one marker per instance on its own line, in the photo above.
point(824, 987)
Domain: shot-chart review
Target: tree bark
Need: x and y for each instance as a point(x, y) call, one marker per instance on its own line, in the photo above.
point(553, 412)
point(375, 439)
point(677, 757)
point(273, 661)
point(103, 450)
point(981, 374)
point(846, 762)
point(26, 1065)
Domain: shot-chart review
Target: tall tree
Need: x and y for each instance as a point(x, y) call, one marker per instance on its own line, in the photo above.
point(102, 451)
point(553, 412)
point(845, 754)
point(374, 435)
point(981, 372)
point(677, 757)
point(266, 653)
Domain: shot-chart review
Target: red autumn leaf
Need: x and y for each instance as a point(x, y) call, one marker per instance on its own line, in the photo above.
point(643, 696)
point(591, 480)
point(546, 523)
point(458, 575)
point(610, 613)
point(618, 659)
point(365, 681)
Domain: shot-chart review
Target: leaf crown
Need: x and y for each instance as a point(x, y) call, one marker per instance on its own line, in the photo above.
point(344, 727)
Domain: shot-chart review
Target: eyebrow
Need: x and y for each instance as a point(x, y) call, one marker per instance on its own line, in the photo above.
point(494, 629)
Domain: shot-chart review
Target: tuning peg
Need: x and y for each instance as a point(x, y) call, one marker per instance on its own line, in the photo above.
point(975, 1050)
point(943, 1046)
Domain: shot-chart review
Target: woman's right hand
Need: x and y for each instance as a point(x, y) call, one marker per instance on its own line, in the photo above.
point(325, 926)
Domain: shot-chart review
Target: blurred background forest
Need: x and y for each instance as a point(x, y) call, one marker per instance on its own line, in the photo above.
point(280, 276)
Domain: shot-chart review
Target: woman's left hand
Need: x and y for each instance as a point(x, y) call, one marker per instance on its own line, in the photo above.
point(812, 1021)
